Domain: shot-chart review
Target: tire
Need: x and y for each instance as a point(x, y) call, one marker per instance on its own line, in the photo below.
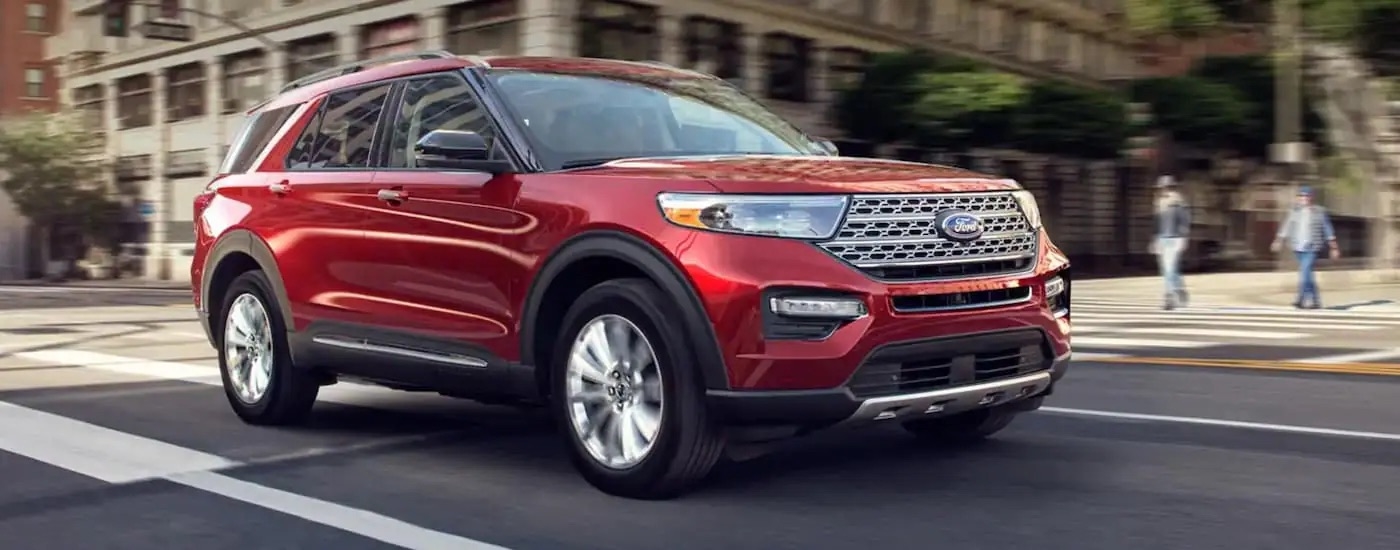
point(962, 428)
point(289, 392)
point(687, 444)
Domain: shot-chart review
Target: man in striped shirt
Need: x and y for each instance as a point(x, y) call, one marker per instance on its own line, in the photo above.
point(1306, 230)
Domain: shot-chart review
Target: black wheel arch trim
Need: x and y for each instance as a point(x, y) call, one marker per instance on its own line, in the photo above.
point(245, 242)
point(650, 261)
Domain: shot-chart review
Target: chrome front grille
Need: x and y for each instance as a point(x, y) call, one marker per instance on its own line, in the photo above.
point(895, 237)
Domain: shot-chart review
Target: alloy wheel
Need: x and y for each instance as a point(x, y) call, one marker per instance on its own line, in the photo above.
point(614, 392)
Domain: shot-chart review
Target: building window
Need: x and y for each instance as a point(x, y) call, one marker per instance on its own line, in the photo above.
point(1057, 45)
point(134, 101)
point(186, 163)
point(33, 82)
point(390, 37)
point(36, 17)
point(484, 27)
point(184, 92)
point(912, 15)
point(845, 68)
point(91, 102)
point(244, 83)
point(617, 30)
point(789, 60)
point(309, 55)
point(133, 168)
point(713, 46)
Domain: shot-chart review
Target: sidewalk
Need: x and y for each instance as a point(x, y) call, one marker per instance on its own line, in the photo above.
point(132, 284)
point(1276, 288)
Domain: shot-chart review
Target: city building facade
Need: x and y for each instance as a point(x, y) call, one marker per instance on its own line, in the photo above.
point(169, 109)
point(26, 84)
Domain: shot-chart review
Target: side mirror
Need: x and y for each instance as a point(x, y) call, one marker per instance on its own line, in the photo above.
point(828, 146)
point(459, 149)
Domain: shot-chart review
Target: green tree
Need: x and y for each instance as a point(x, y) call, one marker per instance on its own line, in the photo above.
point(1196, 110)
point(966, 108)
point(877, 109)
point(1064, 119)
point(53, 173)
point(1188, 18)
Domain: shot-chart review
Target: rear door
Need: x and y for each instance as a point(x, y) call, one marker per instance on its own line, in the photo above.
point(317, 231)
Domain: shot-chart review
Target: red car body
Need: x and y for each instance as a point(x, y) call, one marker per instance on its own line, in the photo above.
point(482, 267)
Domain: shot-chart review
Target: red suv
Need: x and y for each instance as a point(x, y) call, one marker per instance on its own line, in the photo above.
point(675, 271)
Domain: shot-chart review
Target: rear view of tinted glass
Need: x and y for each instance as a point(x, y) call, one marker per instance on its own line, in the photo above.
point(258, 131)
point(342, 134)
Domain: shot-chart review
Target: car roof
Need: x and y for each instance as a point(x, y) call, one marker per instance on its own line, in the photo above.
point(398, 66)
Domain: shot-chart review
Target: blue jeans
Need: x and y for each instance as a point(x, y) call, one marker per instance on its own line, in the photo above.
point(1307, 280)
point(1169, 251)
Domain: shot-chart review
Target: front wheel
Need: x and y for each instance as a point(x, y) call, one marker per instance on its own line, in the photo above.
point(629, 396)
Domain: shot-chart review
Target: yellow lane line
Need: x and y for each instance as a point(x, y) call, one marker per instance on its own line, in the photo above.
point(1383, 369)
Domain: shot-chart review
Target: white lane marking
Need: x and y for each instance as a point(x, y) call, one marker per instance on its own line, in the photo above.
point(1091, 356)
point(1098, 342)
point(1301, 325)
point(118, 457)
point(95, 451)
point(1271, 311)
point(344, 393)
point(161, 335)
point(361, 522)
point(27, 289)
point(1382, 436)
point(1359, 357)
point(1229, 318)
point(1209, 332)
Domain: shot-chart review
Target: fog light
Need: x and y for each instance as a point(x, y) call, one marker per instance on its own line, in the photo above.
point(822, 308)
point(1054, 287)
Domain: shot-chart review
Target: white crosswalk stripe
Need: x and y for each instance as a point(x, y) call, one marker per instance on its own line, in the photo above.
point(1104, 328)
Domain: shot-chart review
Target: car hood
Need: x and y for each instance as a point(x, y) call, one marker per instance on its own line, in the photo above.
point(792, 174)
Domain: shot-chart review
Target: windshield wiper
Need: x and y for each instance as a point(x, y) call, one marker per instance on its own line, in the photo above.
point(580, 163)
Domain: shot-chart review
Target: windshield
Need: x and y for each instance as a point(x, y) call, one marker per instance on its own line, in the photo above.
point(581, 120)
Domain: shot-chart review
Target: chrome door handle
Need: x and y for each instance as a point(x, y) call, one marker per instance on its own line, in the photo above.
point(391, 196)
point(280, 188)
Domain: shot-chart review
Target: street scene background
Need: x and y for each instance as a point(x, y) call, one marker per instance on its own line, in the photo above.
point(1234, 422)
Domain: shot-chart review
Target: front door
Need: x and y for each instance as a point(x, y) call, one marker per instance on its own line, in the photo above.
point(439, 232)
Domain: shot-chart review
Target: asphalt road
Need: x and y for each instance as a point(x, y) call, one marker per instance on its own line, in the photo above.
point(114, 434)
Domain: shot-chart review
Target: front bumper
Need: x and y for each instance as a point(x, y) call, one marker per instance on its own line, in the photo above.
point(839, 406)
point(737, 280)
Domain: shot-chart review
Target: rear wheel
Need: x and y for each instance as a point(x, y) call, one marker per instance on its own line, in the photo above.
point(629, 396)
point(962, 428)
point(255, 360)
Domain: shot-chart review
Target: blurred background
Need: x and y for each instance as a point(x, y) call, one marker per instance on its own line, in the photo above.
point(1085, 102)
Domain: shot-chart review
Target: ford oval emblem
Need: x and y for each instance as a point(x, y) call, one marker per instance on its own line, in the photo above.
point(959, 225)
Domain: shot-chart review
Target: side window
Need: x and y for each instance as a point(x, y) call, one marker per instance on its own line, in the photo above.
point(443, 102)
point(300, 156)
point(342, 134)
point(258, 130)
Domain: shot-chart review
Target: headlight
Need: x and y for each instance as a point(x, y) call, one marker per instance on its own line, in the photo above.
point(795, 216)
point(1028, 207)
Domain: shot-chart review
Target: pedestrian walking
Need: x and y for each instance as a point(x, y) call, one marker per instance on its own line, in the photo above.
point(1173, 230)
point(1307, 229)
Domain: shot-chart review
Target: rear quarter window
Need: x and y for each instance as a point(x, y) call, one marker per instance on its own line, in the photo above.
point(255, 135)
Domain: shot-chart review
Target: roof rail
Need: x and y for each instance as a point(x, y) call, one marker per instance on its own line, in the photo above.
point(655, 63)
point(361, 65)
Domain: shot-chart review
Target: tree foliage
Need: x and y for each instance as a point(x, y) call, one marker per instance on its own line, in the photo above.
point(952, 103)
point(53, 174)
point(1064, 119)
point(1172, 17)
point(969, 107)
